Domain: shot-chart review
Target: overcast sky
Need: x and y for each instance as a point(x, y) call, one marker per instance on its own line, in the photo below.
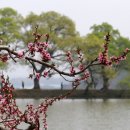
point(84, 13)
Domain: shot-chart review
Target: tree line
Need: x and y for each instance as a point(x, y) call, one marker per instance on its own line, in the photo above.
point(17, 30)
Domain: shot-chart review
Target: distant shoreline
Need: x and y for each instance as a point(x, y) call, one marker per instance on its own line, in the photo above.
point(78, 94)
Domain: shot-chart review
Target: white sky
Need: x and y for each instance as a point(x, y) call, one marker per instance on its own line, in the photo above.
point(84, 13)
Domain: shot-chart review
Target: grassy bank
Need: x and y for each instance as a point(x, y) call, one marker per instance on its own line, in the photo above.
point(78, 94)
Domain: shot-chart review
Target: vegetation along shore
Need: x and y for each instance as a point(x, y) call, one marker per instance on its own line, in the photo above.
point(78, 94)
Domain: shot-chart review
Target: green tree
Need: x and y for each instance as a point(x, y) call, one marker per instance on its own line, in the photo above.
point(92, 45)
point(10, 25)
point(125, 82)
point(60, 28)
point(10, 28)
point(125, 65)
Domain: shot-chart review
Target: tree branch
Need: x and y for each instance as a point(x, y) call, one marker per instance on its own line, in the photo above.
point(33, 65)
point(61, 72)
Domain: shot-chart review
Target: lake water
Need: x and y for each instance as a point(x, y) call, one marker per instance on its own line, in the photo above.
point(112, 114)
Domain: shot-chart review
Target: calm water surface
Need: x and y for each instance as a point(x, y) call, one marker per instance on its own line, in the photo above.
point(112, 114)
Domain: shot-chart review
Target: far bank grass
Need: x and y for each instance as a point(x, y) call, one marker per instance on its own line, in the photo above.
point(78, 94)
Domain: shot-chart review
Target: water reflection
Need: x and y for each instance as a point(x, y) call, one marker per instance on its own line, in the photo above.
point(86, 114)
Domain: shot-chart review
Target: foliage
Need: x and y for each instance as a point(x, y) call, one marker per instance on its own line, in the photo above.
point(10, 26)
point(92, 43)
point(61, 31)
point(60, 28)
point(91, 46)
point(125, 82)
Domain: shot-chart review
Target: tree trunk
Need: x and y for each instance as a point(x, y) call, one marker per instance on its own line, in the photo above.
point(31, 127)
point(36, 84)
point(87, 87)
point(105, 83)
point(92, 82)
point(36, 81)
point(105, 80)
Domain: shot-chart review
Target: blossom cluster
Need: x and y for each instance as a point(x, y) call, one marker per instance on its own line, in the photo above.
point(4, 57)
point(44, 74)
point(40, 47)
point(71, 61)
point(10, 114)
point(103, 57)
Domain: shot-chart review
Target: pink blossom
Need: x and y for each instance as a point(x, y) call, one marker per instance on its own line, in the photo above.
point(1, 97)
point(4, 58)
point(45, 126)
point(46, 56)
point(45, 73)
point(69, 59)
point(81, 67)
point(38, 75)
point(127, 50)
point(44, 44)
point(20, 54)
point(86, 75)
point(30, 45)
point(72, 71)
point(3, 101)
point(124, 57)
point(100, 57)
